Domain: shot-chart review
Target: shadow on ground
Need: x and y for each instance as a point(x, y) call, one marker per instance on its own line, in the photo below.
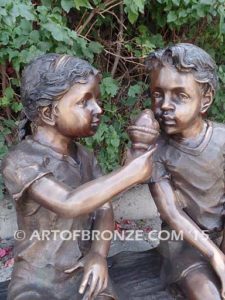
point(136, 276)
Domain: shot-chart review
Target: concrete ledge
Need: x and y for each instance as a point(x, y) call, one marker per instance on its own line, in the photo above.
point(135, 204)
point(8, 220)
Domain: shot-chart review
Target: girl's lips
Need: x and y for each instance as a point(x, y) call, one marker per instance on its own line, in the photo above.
point(95, 123)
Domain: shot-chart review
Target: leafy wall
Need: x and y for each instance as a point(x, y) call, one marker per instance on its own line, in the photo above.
point(113, 35)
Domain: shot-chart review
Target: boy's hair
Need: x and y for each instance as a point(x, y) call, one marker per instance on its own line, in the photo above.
point(187, 58)
point(48, 77)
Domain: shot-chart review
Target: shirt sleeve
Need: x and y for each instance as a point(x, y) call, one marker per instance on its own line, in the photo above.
point(159, 171)
point(19, 173)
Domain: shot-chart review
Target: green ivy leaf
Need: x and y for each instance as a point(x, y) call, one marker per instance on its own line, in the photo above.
point(9, 123)
point(3, 2)
point(4, 38)
point(4, 101)
point(95, 47)
point(134, 90)
point(109, 87)
point(171, 17)
point(35, 36)
point(82, 3)
point(55, 30)
point(16, 107)
point(9, 93)
point(47, 3)
point(67, 5)
point(133, 8)
point(26, 11)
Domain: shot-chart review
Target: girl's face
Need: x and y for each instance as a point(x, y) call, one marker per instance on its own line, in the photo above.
point(78, 111)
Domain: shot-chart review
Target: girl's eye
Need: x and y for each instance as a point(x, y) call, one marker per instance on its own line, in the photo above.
point(99, 102)
point(82, 102)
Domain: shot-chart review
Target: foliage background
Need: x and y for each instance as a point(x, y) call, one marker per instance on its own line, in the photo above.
point(115, 36)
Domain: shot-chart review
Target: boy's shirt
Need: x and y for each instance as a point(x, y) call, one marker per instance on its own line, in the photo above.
point(196, 174)
point(27, 162)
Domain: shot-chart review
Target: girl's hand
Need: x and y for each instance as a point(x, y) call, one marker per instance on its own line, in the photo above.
point(95, 278)
point(142, 165)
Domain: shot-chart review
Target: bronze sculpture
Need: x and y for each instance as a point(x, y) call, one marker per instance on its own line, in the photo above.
point(188, 175)
point(57, 187)
point(143, 133)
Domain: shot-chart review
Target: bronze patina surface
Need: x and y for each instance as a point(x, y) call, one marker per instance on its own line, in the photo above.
point(55, 184)
point(188, 178)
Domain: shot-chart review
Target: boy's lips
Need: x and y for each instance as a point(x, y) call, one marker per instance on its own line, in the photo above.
point(167, 120)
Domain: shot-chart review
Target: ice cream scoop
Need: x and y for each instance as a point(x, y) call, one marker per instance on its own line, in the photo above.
point(144, 131)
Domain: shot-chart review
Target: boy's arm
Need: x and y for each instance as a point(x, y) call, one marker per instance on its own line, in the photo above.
point(59, 198)
point(165, 200)
point(222, 246)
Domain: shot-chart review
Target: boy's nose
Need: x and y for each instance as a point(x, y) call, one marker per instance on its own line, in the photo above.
point(166, 104)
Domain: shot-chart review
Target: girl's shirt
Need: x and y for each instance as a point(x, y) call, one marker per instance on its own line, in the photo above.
point(49, 239)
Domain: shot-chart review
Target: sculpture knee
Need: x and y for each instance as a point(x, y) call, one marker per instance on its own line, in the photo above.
point(198, 285)
point(25, 296)
point(101, 297)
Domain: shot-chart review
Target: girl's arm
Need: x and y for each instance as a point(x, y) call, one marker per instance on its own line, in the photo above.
point(85, 199)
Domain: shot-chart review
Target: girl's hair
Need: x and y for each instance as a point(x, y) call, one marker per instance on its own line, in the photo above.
point(187, 58)
point(46, 79)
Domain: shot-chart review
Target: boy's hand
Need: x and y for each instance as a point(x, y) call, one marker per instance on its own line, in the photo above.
point(218, 263)
point(142, 165)
point(95, 278)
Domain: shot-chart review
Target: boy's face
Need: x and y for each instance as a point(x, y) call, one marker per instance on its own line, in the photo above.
point(78, 111)
point(177, 100)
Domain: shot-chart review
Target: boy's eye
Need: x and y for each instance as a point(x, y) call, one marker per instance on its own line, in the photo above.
point(184, 96)
point(156, 95)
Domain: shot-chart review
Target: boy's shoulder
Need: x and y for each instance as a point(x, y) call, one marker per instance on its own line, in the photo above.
point(218, 126)
point(218, 132)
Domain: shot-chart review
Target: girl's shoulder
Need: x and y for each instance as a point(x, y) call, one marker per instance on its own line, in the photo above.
point(22, 166)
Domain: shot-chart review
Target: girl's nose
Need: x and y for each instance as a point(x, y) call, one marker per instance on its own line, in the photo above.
point(97, 108)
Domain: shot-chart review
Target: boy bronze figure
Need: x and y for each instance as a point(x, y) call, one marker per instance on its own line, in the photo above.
point(188, 177)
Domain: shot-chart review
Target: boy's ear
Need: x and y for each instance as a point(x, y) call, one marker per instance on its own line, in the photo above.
point(48, 114)
point(206, 102)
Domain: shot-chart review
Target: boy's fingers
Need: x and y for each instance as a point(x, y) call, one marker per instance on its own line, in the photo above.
point(84, 282)
point(77, 266)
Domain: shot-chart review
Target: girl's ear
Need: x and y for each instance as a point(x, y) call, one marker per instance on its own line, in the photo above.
point(206, 102)
point(48, 114)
